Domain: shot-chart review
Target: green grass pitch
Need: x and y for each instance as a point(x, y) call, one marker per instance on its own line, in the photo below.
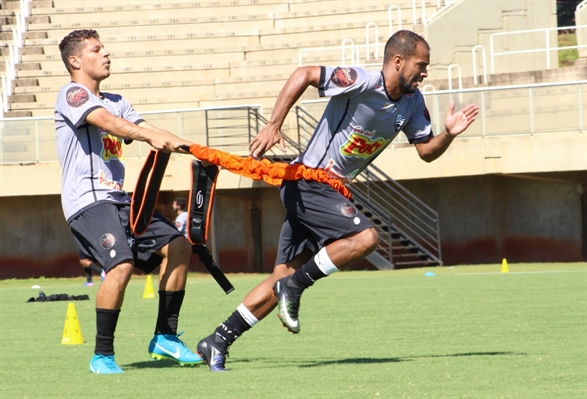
point(466, 332)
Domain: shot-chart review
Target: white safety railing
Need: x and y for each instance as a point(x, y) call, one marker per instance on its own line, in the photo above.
point(505, 110)
point(14, 54)
point(390, 18)
point(440, 9)
point(547, 48)
point(483, 64)
point(347, 51)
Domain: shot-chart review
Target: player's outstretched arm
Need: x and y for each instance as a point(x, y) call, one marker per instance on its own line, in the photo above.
point(454, 124)
point(295, 86)
point(119, 127)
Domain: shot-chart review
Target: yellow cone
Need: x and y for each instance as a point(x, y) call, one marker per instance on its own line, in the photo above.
point(149, 292)
point(72, 333)
point(504, 266)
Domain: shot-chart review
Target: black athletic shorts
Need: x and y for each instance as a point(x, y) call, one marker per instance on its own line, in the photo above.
point(316, 214)
point(103, 234)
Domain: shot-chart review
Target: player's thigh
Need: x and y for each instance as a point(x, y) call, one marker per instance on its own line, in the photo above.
point(101, 235)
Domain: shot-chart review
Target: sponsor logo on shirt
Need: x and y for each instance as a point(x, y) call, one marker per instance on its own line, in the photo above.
point(344, 77)
point(103, 181)
point(76, 96)
point(362, 147)
point(112, 147)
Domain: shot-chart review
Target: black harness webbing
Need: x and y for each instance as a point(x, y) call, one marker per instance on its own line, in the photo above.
point(200, 204)
point(145, 196)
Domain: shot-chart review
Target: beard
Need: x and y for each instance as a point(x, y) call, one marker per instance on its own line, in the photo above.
point(405, 86)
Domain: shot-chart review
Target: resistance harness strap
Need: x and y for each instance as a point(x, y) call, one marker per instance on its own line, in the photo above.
point(200, 204)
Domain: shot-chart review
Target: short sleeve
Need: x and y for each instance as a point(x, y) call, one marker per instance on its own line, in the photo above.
point(129, 113)
point(349, 81)
point(419, 127)
point(75, 103)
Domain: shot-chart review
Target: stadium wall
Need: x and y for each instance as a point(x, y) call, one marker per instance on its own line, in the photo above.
point(531, 218)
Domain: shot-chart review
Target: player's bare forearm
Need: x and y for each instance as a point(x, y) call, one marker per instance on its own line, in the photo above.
point(295, 86)
point(434, 148)
point(121, 128)
point(154, 128)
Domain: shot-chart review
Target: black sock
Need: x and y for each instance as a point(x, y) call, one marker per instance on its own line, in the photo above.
point(169, 306)
point(307, 275)
point(95, 268)
point(88, 273)
point(227, 332)
point(106, 320)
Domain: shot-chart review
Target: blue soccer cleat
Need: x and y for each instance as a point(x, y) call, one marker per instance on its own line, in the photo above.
point(169, 346)
point(101, 364)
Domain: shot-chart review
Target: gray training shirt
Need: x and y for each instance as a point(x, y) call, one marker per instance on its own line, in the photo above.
point(360, 120)
point(92, 160)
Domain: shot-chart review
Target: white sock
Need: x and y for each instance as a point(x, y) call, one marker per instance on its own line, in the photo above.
point(247, 315)
point(324, 263)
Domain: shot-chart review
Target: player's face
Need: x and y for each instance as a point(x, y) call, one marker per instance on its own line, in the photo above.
point(94, 60)
point(413, 69)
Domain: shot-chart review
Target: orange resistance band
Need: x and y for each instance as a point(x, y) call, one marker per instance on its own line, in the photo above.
point(271, 172)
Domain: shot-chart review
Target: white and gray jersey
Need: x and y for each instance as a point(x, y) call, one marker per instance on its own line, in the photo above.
point(360, 120)
point(181, 222)
point(92, 160)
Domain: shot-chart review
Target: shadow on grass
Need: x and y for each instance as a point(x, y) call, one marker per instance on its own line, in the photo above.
point(271, 363)
point(370, 360)
point(165, 364)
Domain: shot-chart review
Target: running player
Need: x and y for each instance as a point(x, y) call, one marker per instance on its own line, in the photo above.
point(323, 231)
point(91, 126)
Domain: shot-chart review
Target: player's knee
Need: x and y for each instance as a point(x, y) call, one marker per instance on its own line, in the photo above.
point(181, 248)
point(281, 271)
point(368, 241)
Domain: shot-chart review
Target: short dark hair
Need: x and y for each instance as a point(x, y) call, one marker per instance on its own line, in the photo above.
point(404, 43)
point(73, 43)
point(180, 202)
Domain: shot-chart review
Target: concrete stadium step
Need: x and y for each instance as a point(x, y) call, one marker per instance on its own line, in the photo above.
point(134, 9)
point(160, 62)
point(136, 79)
point(117, 83)
point(177, 25)
point(204, 70)
point(335, 31)
point(125, 43)
point(327, 17)
point(146, 95)
point(300, 6)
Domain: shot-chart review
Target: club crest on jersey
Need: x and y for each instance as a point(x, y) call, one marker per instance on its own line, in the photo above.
point(426, 114)
point(348, 210)
point(112, 148)
point(343, 76)
point(362, 147)
point(399, 122)
point(107, 241)
point(76, 96)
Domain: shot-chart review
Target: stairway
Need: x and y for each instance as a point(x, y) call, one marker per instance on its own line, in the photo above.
point(408, 229)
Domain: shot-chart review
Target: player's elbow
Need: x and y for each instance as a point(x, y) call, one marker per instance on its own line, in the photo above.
point(426, 157)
